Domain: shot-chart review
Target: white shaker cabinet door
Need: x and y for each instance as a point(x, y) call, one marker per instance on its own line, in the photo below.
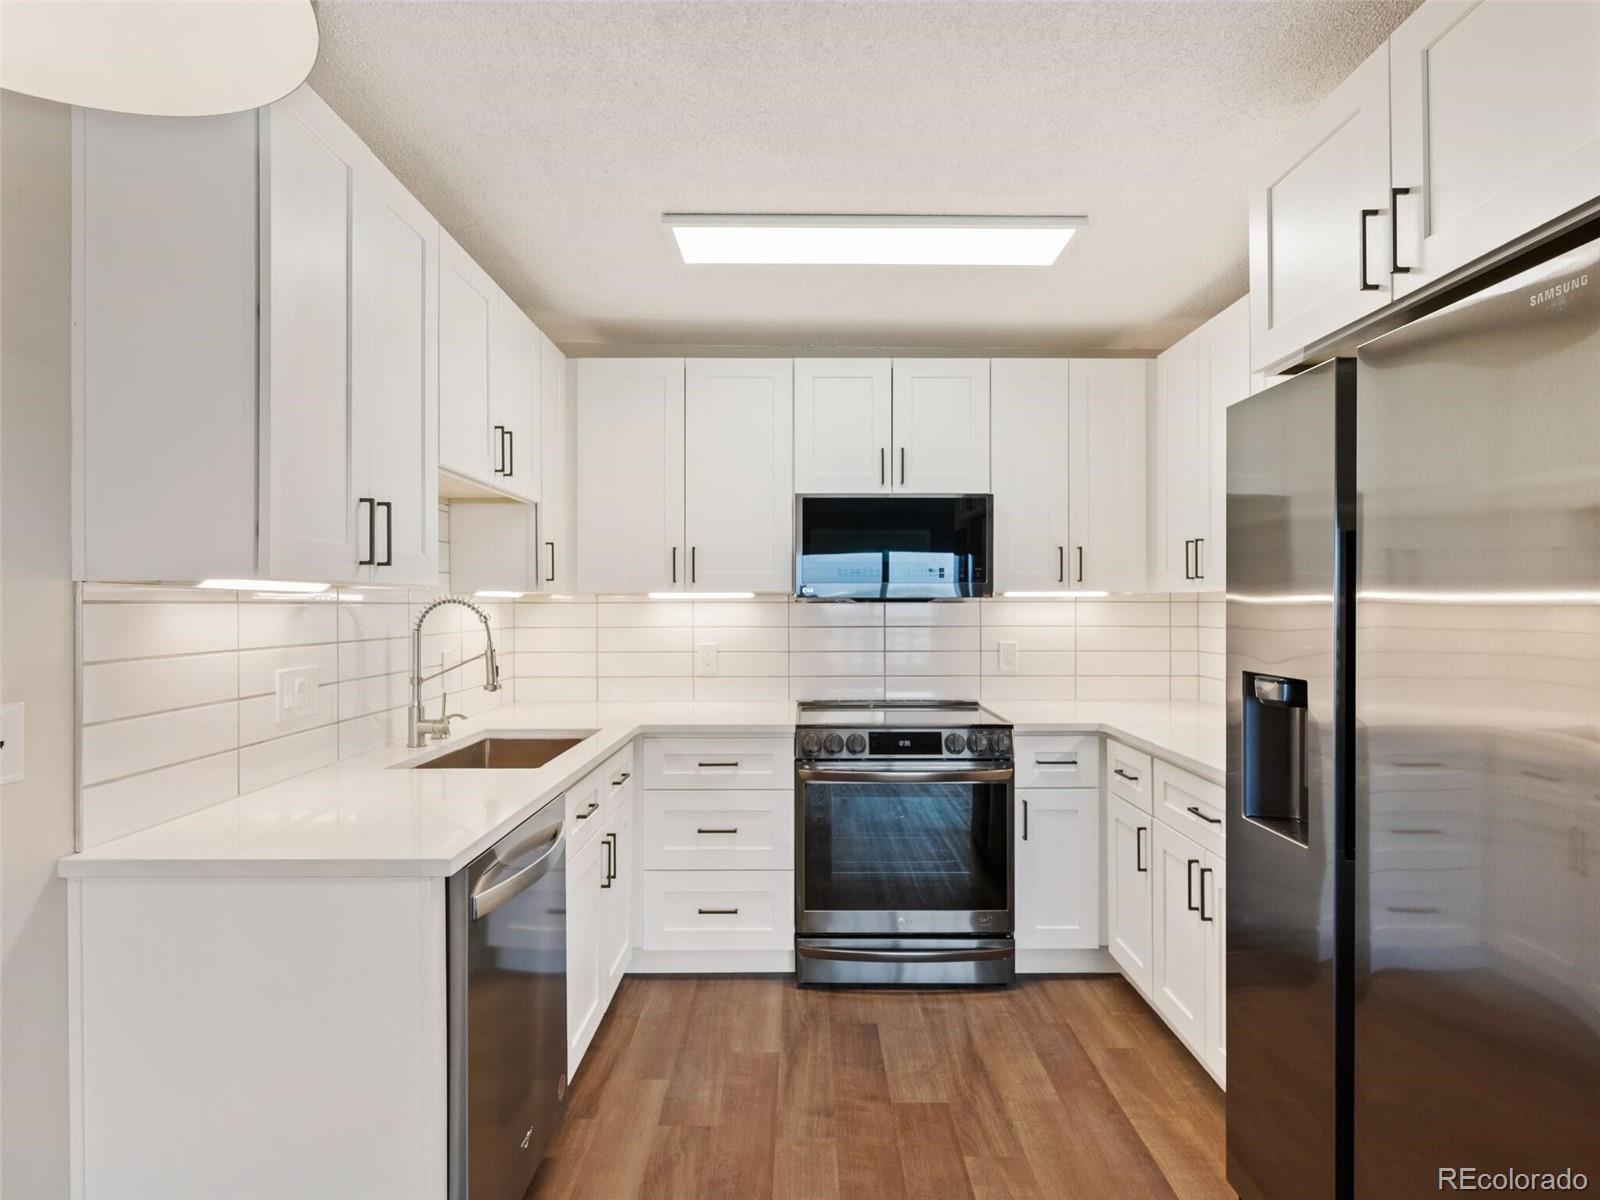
point(1183, 500)
point(1178, 953)
point(555, 557)
point(616, 900)
point(1058, 868)
point(1224, 362)
point(630, 475)
point(1496, 126)
point(1128, 890)
point(941, 425)
point(739, 474)
point(1214, 918)
point(514, 387)
point(1107, 547)
point(842, 418)
point(1030, 403)
point(311, 164)
point(467, 299)
point(395, 466)
point(1319, 220)
point(586, 873)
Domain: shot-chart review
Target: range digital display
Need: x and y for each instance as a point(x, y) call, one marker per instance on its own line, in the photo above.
point(917, 743)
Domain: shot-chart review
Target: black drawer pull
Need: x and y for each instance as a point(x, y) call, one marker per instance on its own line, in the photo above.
point(703, 829)
point(1195, 810)
point(1121, 774)
point(734, 763)
point(718, 912)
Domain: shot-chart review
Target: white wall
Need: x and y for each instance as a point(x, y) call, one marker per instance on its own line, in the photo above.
point(628, 648)
point(36, 653)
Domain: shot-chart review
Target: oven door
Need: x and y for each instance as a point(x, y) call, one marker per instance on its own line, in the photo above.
point(902, 850)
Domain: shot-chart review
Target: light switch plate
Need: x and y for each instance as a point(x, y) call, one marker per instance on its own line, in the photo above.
point(1008, 658)
point(11, 742)
point(296, 692)
point(705, 658)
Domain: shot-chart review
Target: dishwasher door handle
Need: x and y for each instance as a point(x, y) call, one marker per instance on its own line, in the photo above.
point(496, 889)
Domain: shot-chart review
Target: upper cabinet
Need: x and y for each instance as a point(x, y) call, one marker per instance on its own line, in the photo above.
point(630, 475)
point(842, 418)
point(1495, 126)
point(1069, 473)
point(941, 425)
point(738, 474)
point(685, 475)
point(252, 360)
point(1476, 126)
point(1319, 203)
point(467, 303)
point(555, 558)
point(514, 395)
point(864, 426)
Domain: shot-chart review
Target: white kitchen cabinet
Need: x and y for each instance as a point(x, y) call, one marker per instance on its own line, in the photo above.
point(1214, 921)
point(555, 556)
point(1179, 973)
point(587, 875)
point(467, 299)
point(1319, 207)
point(616, 899)
point(738, 474)
point(630, 475)
point(1058, 868)
point(842, 425)
point(1031, 404)
point(394, 462)
point(514, 394)
point(1224, 379)
point(1182, 483)
point(1128, 890)
point(1109, 413)
point(1495, 126)
point(229, 405)
point(941, 425)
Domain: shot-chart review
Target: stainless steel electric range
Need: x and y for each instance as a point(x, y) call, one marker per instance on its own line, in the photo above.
point(904, 871)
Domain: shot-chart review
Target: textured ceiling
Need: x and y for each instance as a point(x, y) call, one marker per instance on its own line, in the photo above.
point(550, 137)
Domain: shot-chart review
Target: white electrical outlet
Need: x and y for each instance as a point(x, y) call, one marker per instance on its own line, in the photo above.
point(296, 692)
point(11, 732)
point(705, 658)
point(1008, 658)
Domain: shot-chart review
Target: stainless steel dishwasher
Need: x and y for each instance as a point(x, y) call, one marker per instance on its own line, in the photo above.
point(507, 955)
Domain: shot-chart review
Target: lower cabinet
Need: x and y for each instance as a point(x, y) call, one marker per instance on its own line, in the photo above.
point(1128, 892)
point(1188, 944)
point(1058, 868)
point(586, 876)
point(1214, 884)
point(616, 903)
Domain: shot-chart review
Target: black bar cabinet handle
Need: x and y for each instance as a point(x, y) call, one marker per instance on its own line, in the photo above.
point(1204, 916)
point(1188, 549)
point(551, 578)
point(511, 453)
point(1024, 820)
point(1138, 849)
point(693, 568)
point(1199, 571)
point(606, 842)
point(1367, 213)
point(902, 464)
point(1189, 885)
point(717, 912)
point(388, 533)
point(674, 564)
point(1080, 564)
point(500, 440)
point(372, 532)
point(707, 829)
point(1394, 229)
point(1061, 564)
point(883, 470)
point(1195, 810)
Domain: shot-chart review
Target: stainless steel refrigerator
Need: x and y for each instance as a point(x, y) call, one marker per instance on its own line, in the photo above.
point(1413, 708)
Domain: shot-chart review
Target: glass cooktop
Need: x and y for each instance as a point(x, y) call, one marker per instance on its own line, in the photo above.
point(890, 714)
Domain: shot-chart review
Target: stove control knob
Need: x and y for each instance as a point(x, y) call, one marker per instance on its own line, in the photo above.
point(977, 743)
point(810, 743)
point(834, 744)
point(856, 744)
point(1000, 741)
point(954, 743)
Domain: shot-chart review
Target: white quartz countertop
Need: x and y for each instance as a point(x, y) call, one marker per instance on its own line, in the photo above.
point(370, 815)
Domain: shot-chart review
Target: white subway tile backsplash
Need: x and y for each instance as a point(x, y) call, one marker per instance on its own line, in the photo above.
point(962, 612)
point(301, 624)
point(836, 687)
point(283, 758)
point(556, 614)
point(646, 639)
point(1029, 612)
point(131, 630)
point(1124, 687)
point(634, 689)
point(930, 687)
point(557, 690)
point(258, 720)
point(626, 614)
point(1124, 612)
point(118, 748)
point(825, 640)
point(112, 810)
point(808, 615)
point(733, 613)
point(1124, 662)
point(836, 663)
point(930, 662)
point(931, 637)
point(1124, 637)
point(738, 663)
point(137, 687)
point(758, 639)
point(556, 639)
point(645, 665)
point(722, 688)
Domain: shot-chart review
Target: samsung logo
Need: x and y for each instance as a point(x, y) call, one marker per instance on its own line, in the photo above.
point(1560, 289)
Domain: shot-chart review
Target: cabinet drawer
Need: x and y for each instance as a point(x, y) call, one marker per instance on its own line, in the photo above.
point(617, 781)
point(1128, 774)
point(1191, 805)
point(718, 910)
point(1058, 761)
point(585, 811)
point(719, 831)
point(734, 762)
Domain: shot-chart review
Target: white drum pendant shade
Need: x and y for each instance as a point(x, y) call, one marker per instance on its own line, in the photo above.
point(167, 58)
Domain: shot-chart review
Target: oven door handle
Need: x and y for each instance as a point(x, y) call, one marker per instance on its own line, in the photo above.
point(890, 956)
point(986, 775)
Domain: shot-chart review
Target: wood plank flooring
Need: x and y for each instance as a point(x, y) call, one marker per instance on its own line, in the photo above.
point(736, 1088)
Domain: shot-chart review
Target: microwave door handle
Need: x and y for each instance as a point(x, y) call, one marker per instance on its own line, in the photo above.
point(986, 775)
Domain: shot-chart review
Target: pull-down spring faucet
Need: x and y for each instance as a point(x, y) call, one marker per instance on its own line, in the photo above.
point(420, 727)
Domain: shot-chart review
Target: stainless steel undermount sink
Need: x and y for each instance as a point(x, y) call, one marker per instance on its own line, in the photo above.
point(502, 753)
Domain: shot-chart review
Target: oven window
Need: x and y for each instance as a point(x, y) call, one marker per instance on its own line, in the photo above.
point(905, 847)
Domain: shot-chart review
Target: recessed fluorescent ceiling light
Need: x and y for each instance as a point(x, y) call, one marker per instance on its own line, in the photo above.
point(263, 585)
point(883, 241)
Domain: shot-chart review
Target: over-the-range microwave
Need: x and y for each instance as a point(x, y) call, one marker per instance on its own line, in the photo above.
point(893, 547)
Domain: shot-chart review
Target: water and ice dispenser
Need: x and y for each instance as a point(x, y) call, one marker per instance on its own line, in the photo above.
point(1274, 754)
